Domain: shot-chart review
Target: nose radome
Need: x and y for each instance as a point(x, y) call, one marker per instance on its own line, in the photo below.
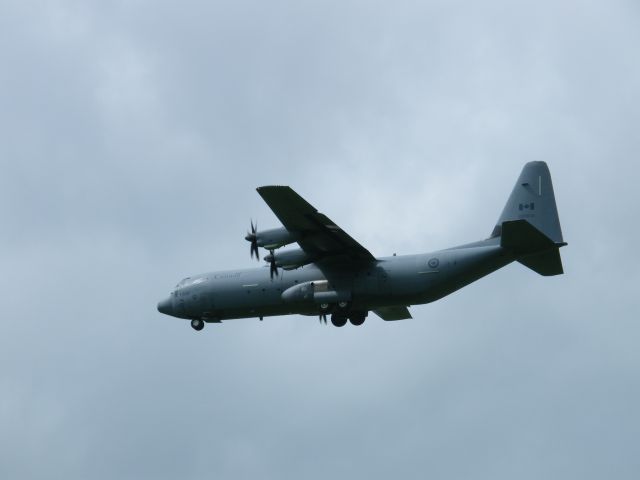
point(166, 306)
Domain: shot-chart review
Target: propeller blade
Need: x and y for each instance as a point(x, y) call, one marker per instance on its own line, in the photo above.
point(253, 238)
point(273, 269)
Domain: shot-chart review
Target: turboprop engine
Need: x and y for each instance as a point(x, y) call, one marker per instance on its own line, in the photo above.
point(289, 259)
point(317, 291)
point(269, 239)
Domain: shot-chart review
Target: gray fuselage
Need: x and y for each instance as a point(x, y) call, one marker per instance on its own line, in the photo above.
point(387, 282)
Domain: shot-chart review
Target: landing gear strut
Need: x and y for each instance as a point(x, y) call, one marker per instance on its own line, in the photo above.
point(197, 324)
point(342, 314)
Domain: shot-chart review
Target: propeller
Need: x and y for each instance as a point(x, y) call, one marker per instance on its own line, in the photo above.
point(322, 317)
point(253, 238)
point(273, 269)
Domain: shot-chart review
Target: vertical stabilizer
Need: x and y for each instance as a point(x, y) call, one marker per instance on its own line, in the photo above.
point(533, 200)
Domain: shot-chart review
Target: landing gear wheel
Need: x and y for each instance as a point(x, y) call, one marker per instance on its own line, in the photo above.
point(197, 324)
point(357, 318)
point(338, 320)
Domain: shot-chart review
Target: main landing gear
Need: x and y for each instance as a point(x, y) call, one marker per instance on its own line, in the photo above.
point(197, 324)
point(339, 319)
point(357, 318)
point(342, 314)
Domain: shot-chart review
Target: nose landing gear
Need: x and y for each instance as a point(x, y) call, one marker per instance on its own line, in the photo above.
point(197, 324)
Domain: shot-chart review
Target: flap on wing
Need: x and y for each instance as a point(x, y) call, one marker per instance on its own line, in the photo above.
point(318, 234)
point(393, 313)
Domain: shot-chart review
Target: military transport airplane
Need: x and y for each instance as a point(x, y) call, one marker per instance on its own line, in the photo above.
point(331, 273)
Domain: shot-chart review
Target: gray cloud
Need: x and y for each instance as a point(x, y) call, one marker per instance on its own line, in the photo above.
point(132, 136)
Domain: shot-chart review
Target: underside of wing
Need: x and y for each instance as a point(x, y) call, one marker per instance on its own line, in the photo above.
point(317, 234)
point(393, 313)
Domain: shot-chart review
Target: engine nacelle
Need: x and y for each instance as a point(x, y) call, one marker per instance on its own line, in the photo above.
point(275, 238)
point(290, 259)
point(316, 292)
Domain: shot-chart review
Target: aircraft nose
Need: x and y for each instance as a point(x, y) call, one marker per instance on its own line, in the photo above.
point(166, 306)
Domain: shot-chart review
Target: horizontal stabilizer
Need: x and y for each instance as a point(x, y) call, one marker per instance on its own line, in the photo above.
point(536, 251)
point(393, 313)
point(520, 236)
point(546, 263)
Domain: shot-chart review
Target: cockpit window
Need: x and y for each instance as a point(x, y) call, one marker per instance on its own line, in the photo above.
point(189, 281)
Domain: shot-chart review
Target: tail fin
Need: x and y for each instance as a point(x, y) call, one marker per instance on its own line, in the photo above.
point(529, 225)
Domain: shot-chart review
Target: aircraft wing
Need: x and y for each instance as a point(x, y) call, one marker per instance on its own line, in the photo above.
point(319, 236)
point(393, 313)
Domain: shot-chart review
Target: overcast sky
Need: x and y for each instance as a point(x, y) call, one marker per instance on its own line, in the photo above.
point(132, 137)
